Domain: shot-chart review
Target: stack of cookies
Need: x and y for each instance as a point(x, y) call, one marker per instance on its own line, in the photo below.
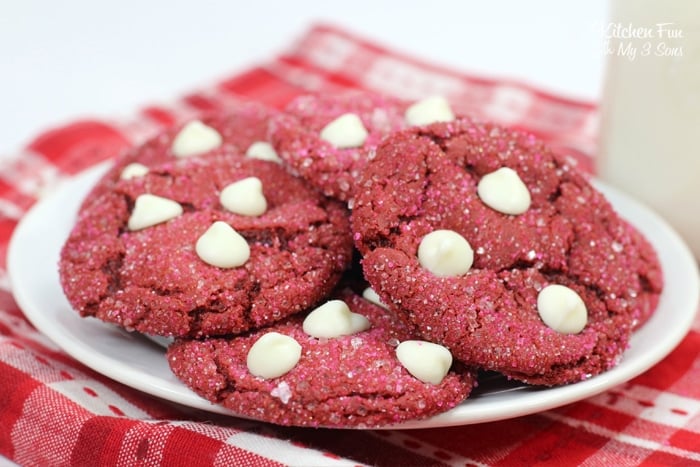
point(357, 260)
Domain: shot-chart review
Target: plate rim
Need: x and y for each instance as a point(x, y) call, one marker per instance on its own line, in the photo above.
point(528, 403)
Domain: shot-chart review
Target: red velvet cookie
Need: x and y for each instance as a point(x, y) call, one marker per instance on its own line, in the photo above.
point(332, 160)
point(284, 375)
point(205, 246)
point(238, 132)
point(518, 219)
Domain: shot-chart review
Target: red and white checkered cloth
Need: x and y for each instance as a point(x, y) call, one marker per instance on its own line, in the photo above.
point(55, 411)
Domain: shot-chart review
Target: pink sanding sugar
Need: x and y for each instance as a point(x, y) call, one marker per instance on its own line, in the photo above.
point(349, 381)
point(425, 179)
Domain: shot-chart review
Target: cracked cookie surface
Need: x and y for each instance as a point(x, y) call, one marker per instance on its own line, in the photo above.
point(348, 381)
point(153, 281)
point(427, 179)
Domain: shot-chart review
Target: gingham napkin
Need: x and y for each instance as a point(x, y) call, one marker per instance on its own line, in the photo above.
point(55, 411)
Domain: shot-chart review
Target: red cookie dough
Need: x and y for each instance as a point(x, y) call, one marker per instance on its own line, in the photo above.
point(348, 381)
point(153, 281)
point(295, 135)
point(426, 179)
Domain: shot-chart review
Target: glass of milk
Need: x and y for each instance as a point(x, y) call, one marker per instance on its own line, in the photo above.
point(650, 112)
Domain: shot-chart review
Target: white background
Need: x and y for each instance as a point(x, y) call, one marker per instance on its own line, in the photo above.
point(66, 59)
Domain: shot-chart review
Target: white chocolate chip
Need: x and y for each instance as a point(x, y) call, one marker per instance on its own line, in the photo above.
point(334, 319)
point(133, 170)
point(562, 309)
point(195, 138)
point(504, 191)
point(429, 110)
point(222, 246)
point(445, 253)
point(273, 355)
point(371, 296)
point(346, 131)
point(244, 197)
point(263, 151)
point(426, 361)
point(150, 210)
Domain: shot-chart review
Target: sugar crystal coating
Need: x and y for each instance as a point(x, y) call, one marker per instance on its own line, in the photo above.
point(348, 381)
point(282, 392)
point(240, 126)
point(425, 179)
point(153, 281)
point(296, 136)
point(492, 316)
point(195, 138)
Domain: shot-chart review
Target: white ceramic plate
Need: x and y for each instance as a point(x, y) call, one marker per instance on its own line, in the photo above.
point(133, 360)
